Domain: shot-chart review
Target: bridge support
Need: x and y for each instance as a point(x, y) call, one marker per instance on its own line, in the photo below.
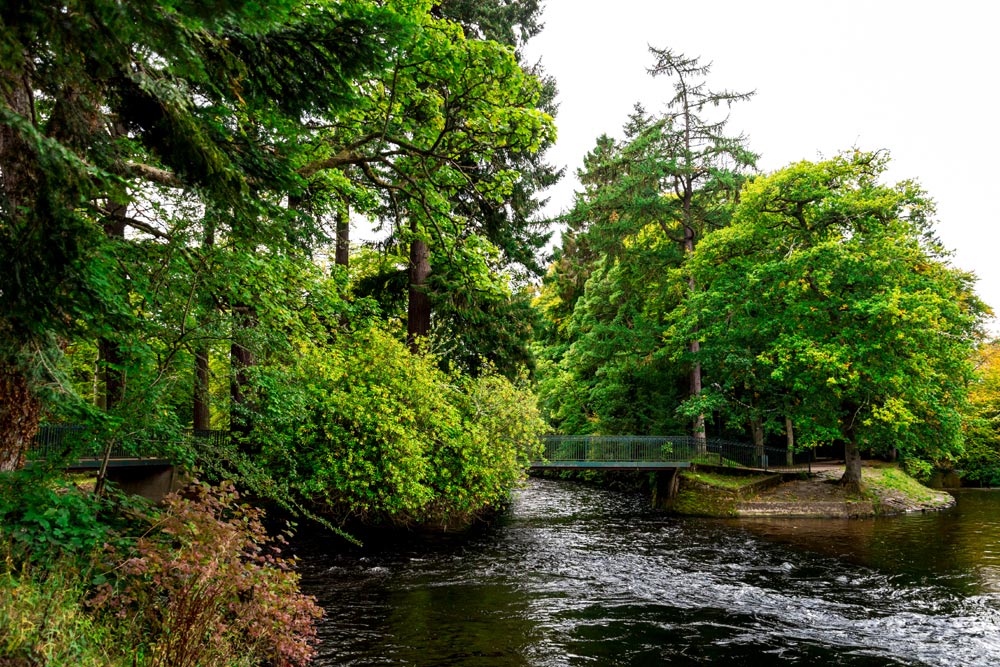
point(666, 483)
point(152, 482)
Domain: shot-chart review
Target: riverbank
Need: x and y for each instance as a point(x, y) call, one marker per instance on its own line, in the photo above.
point(887, 491)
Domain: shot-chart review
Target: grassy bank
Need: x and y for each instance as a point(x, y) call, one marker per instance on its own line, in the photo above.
point(887, 490)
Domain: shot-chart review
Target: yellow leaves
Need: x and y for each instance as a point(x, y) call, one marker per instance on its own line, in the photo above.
point(894, 412)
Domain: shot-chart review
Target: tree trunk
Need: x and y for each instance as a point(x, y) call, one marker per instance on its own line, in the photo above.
point(852, 471)
point(851, 480)
point(114, 378)
point(757, 433)
point(202, 409)
point(201, 412)
point(20, 412)
point(418, 316)
point(110, 352)
point(694, 346)
point(343, 256)
point(789, 441)
point(19, 175)
point(241, 360)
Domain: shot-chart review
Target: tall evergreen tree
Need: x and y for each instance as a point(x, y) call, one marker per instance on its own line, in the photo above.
point(647, 201)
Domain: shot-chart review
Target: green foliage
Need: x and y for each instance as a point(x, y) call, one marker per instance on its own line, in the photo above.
point(365, 429)
point(44, 620)
point(828, 300)
point(918, 469)
point(607, 364)
point(46, 520)
point(980, 462)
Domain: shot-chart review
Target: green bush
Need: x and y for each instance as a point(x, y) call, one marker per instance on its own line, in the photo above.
point(366, 430)
point(45, 519)
point(918, 468)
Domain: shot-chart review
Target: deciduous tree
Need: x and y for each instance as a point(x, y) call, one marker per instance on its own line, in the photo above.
point(828, 299)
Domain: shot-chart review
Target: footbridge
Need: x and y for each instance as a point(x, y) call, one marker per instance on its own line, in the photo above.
point(142, 464)
point(652, 453)
point(137, 463)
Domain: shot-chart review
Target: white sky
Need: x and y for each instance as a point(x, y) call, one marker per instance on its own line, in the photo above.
point(917, 78)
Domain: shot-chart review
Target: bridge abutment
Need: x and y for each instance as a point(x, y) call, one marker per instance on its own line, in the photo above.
point(152, 482)
point(666, 482)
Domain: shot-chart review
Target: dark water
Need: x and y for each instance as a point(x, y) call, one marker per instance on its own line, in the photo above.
point(581, 576)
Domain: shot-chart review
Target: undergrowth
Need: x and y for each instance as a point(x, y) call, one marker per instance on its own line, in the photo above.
point(196, 582)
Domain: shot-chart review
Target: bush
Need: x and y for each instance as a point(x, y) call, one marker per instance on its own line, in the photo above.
point(206, 587)
point(44, 519)
point(366, 430)
point(918, 469)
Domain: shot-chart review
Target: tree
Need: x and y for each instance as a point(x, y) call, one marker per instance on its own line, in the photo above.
point(101, 100)
point(703, 165)
point(437, 145)
point(980, 462)
point(646, 203)
point(828, 300)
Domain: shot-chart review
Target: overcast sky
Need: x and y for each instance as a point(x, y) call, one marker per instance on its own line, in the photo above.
point(916, 78)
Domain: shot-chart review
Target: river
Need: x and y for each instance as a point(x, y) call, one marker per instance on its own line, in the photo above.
point(575, 575)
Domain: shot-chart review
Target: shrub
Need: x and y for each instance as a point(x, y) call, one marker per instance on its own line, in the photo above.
point(369, 431)
point(208, 587)
point(917, 468)
point(45, 519)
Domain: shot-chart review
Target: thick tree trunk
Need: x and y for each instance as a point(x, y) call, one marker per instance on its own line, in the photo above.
point(851, 480)
point(343, 256)
point(20, 412)
point(418, 316)
point(202, 409)
point(18, 175)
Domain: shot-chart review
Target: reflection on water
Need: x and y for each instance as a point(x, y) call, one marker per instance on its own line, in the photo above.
point(580, 576)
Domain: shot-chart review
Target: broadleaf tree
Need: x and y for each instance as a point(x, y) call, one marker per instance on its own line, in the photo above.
point(829, 301)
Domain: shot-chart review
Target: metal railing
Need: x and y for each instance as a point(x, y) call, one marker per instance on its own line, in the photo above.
point(59, 441)
point(605, 450)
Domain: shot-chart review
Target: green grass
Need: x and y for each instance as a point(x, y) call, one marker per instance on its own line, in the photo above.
point(43, 621)
point(722, 481)
point(890, 479)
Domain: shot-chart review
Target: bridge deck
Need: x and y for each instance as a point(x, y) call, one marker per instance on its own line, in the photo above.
point(608, 465)
point(559, 452)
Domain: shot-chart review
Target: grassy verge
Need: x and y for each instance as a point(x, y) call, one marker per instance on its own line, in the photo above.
point(892, 490)
point(722, 481)
point(712, 494)
point(43, 620)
